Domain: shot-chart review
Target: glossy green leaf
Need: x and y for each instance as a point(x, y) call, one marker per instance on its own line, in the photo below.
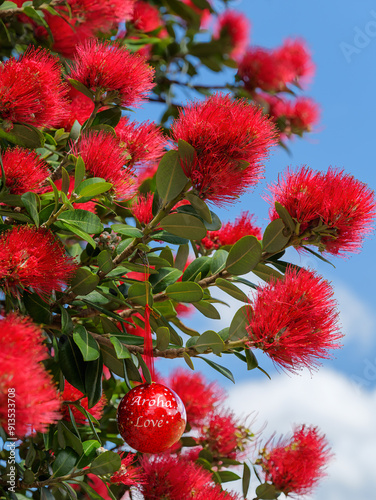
point(252, 362)
point(200, 265)
point(266, 273)
point(76, 230)
point(104, 260)
point(207, 309)
point(218, 261)
point(275, 238)
point(111, 360)
point(185, 291)
point(81, 88)
point(188, 360)
point(231, 289)
point(71, 439)
point(64, 462)
point(86, 221)
point(187, 153)
point(227, 476)
point(24, 135)
point(93, 381)
point(200, 206)
point(86, 343)
point(182, 257)
point(246, 479)
point(244, 255)
point(163, 338)
point(267, 491)
point(285, 216)
point(65, 181)
point(140, 293)
point(30, 203)
point(37, 308)
point(79, 172)
point(89, 448)
point(109, 116)
point(144, 369)
point(165, 277)
point(210, 340)
point(106, 463)
point(221, 369)
point(170, 177)
point(184, 226)
point(94, 189)
point(126, 230)
point(169, 238)
point(71, 362)
point(84, 281)
point(121, 351)
point(239, 322)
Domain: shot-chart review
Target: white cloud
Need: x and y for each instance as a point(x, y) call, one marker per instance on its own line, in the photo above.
point(344, 412)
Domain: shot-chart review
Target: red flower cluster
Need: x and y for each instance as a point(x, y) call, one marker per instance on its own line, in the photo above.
point(335, 211)
point(146, 17)
point(105, 158)
point(80, 109)
point(295, 116)
point(24, 170)
point(233, 27)
point(144, 142)
point(79, 20)
point(112, 72)
point(70, 393)
point(231, 138)
point(141, 209)
point(199, 397)
point(294, 320)
point(128, 474)
point(295, 465)
point(33, 258)
point(231, 232)
point(22, 374)
point(32, 90)
point(272, 69)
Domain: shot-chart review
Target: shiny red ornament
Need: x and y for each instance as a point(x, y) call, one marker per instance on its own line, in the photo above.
point(151, 418)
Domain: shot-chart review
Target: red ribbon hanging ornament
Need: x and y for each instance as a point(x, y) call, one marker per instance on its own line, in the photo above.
point(151, 417)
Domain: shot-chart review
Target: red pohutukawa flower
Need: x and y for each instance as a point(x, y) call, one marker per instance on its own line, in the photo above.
point(33, 258)
point(112, 72)
point(32, 90)
point(79, 108)
point(72, 394)
point(231, 232)
point(223, 436)
point(105, 158)
point(335, 211)
point(232, 138)
point(146, 17)
point(295, 116)
point(24, 170)
point(199, 396)
point(233, 27)
point(128, 474)
point(216, 493)
point(295, 55)
point(294, 320)
point(141, 208)
point(144, 142)
point(21, 373)
point(173, 478)
point(295, 465)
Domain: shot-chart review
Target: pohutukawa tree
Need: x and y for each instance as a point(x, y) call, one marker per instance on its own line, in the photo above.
point(108, 243)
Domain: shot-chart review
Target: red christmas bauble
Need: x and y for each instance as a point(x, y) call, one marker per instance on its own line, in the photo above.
point(151, 418)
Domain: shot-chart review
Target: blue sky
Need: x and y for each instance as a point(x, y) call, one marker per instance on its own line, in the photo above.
point(342, 395)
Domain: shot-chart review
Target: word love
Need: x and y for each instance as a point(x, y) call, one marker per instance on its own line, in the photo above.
point(151, 418)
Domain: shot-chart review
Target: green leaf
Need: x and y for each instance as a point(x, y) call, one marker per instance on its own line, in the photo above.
point(167, 255)
point(246, 479)
point(170, 177)
point(319, 256)
point(182, 257)
point(88, 453)
point(30, 203)
point(8, 5)
point(71, 439)
point(81, 88)
point(84, 281)
point(79, 172)
point(209, 340)
point(104, 260)
point(252, 362)
point(106, 463)
point(109, 116)
point(163, 338)
point(144, 368)
point(111, 361)
point(185, 291)
point(239, 322)
point(198, 266)
point(218, 261)
point(221, 369)
point(266, 273)
point(71, 362)
point(26, 136)
point(64, 462)
point(188, 360)
point(285, 216)
point(244, 255)
point(37, 308)
point(165, 277)
point(45, 494)
point(274, 238)
point(184, 225)
point(140, 293)
point(93, 381)
point(231, 289)
point(86, 343)
point(66, 321)
point(169, 238)
point(86, 221)
point(94, 189)
point(78, 232)
point(267, 491)
point(65, 181)
point(121, 351)
point(207, 309)
point(200, 206)
point(227, 475)
point(131, 231)
point(187, 153)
